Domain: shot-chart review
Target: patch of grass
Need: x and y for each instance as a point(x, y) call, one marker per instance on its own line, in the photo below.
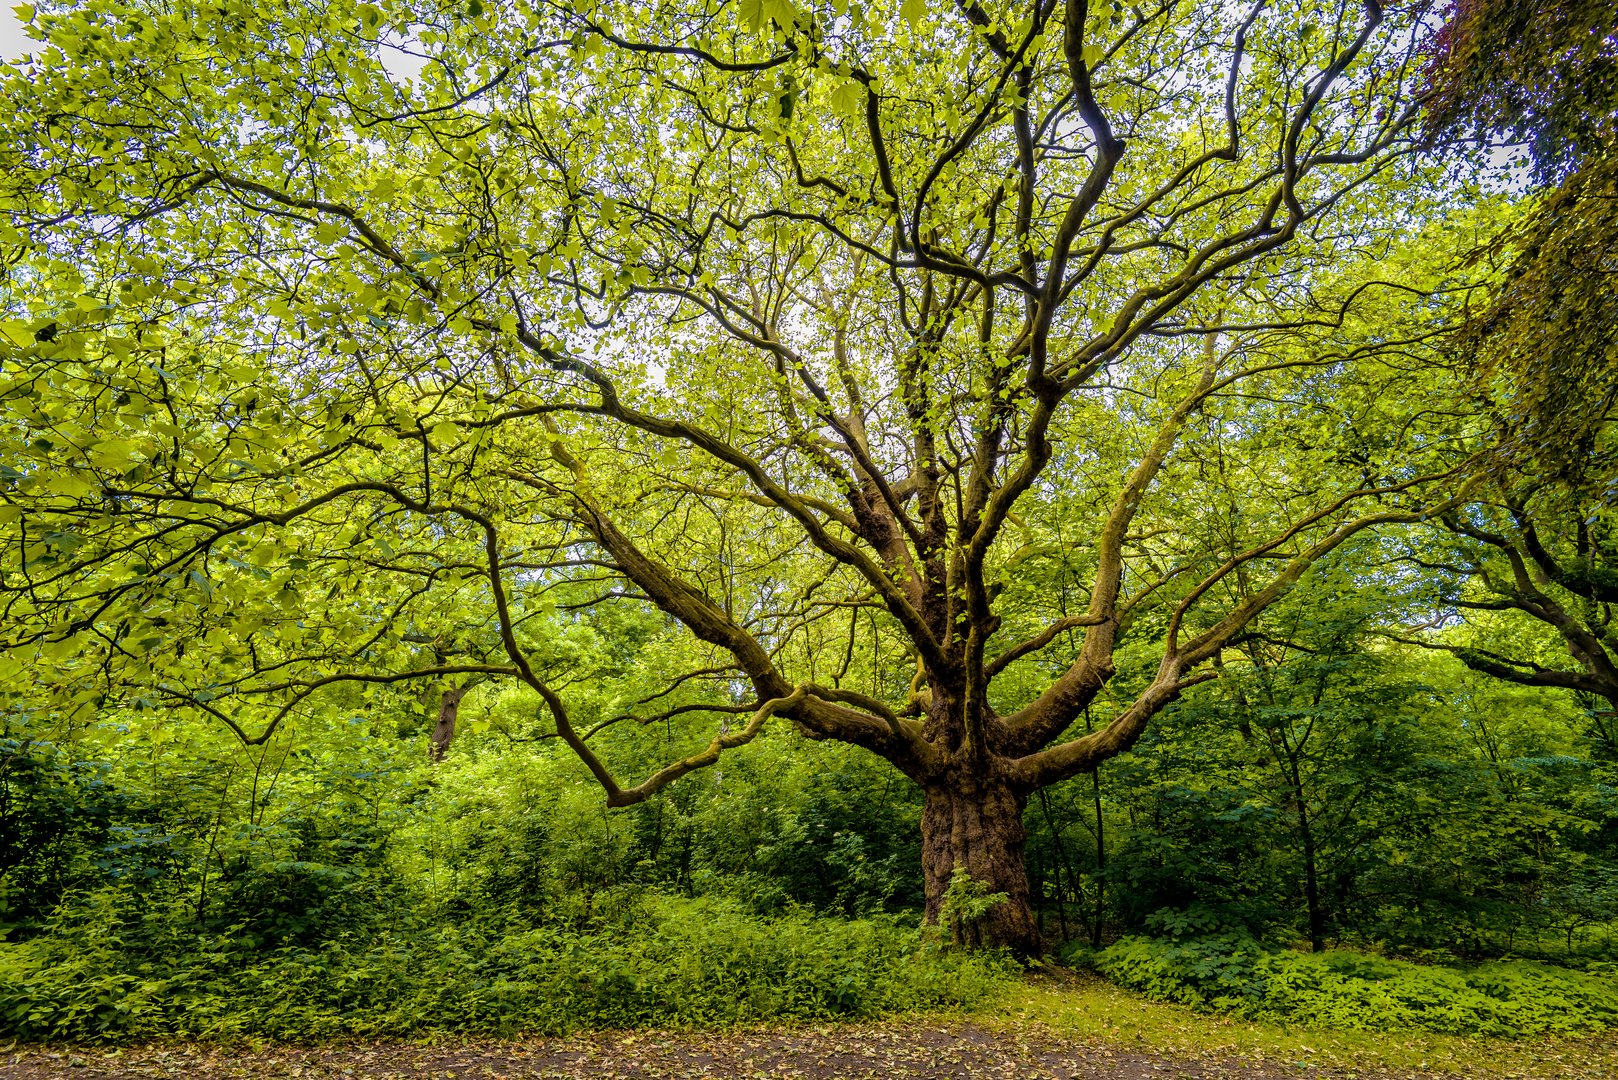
point(1087, 1007)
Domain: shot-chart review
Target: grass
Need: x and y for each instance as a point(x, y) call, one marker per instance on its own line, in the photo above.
point(1088, 1008)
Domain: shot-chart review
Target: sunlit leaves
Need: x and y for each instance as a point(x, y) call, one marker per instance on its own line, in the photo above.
point(353, 354)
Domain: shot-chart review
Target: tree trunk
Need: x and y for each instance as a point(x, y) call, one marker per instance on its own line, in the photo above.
point(978, 827)
point(1311, 886)
point(1311, 874)
point(1101, 863)
point(449, 708)
point(1058, 862)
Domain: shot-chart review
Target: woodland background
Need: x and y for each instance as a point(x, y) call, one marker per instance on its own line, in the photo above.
point(334, 880)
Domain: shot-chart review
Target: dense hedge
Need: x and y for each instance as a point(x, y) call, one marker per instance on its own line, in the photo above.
point(1234, 973)
point(686, 962)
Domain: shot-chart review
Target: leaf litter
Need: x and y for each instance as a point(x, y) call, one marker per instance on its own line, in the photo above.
point(892, 1050)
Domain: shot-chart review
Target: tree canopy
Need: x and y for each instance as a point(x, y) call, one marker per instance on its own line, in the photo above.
point(912, 373)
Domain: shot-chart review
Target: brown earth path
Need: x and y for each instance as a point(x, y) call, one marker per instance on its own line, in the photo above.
point(895, 1050)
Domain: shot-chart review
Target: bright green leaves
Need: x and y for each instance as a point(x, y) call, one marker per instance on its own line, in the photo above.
point(847, 99)
point(341, 408)
point(18, 332)
point(756, 15)
point(116, 455)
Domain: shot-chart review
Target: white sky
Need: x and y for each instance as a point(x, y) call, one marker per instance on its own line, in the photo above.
point(401, 59)
point(13, 42)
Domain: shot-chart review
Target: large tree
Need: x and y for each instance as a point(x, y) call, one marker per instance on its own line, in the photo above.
point(939, 371)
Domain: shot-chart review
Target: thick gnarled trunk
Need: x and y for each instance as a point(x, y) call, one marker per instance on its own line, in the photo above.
point(976, 824)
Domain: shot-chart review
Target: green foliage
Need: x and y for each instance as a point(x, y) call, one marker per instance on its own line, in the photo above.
point(335, 890)
point(1340, 990)
point(676, 963)
point(331, 882)
point(1443, 814)
point(815, 826)
point(63, 826)
point(1540, 72)
point(966, 903)
point(1544, 348)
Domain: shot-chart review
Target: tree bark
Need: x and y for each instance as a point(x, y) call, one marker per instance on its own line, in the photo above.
point(1311, 883)
point(1101, 862)
point(976, 823)
point(1306, 836)
point(449, 708)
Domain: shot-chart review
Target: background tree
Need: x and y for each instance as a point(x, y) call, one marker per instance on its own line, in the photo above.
point(1544, 76)
point(1542, 560)
point(1543, 80)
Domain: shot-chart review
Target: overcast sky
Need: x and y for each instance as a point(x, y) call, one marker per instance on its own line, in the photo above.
point(12, 41)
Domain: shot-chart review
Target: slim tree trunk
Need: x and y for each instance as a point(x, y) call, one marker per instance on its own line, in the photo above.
point(1057, 862)
point(1101, 863)
point(1311, 890)
point(976, 824)
point(449, 708)
point(1311, 874)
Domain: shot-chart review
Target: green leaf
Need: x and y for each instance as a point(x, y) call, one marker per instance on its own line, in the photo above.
point(64, 482)
point(848, 98)
point(112, 454)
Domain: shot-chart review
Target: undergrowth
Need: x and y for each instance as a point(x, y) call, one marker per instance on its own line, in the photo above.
point(687, 963)
point(1235, 974)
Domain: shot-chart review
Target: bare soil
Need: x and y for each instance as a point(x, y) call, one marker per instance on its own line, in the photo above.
point(895, 1050)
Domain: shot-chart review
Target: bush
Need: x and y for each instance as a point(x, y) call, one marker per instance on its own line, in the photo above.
point(686, 963)
point(1234, 973)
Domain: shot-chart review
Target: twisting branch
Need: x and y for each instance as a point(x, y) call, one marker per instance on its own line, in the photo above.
point(621, 796)
point(1038, 642)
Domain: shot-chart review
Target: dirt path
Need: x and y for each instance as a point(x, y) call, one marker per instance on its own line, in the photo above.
point(891, 1051)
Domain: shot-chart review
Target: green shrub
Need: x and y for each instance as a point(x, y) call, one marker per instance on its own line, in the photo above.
point(1234, 973)
point(677, 963)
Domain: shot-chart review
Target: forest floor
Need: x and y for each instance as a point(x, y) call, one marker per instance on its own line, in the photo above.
point(1072, 1030)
